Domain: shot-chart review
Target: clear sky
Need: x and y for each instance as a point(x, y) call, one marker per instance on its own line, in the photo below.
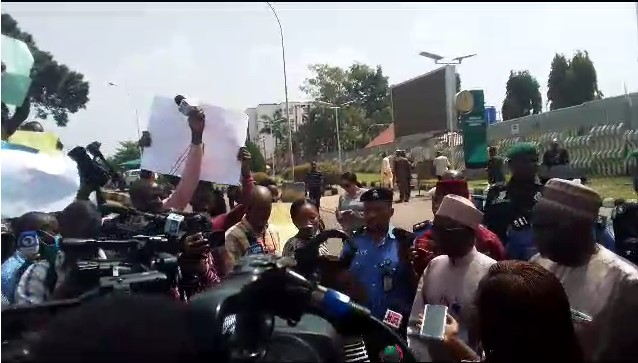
point(229, 54)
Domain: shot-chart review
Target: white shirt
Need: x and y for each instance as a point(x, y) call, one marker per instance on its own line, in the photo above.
point(385, 166)
point(452, 283)
point(441, 164)
point(597, 289)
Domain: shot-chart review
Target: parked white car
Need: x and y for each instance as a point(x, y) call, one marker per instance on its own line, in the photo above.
point(130, 176)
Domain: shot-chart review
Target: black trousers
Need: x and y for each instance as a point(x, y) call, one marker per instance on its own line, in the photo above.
point(315, 197)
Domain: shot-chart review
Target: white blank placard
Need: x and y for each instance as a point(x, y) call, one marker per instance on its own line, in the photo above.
point(224, 134)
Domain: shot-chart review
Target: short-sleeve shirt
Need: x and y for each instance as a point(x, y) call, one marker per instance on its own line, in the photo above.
point(372, 264)
point(241, 240)
point(441, 164)
point(356, 205)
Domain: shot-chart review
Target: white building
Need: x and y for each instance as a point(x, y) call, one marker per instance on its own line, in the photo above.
point(256, 123)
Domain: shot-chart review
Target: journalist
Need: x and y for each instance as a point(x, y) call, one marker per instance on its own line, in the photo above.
point(44, 264)
point(146, 195)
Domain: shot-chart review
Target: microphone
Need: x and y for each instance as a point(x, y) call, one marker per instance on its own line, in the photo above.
point(28, 244)
point(178, 99)
point(116, 208)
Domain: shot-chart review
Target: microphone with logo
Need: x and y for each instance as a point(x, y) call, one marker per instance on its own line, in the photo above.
point(184, 105)
point(28, 244)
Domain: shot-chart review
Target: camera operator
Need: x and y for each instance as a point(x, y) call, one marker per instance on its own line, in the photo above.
point(146, 195)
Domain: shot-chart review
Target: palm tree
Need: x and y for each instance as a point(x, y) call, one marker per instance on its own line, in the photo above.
point(275, 126)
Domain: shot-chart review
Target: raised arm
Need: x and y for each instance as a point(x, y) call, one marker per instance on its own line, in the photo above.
point(190, 177)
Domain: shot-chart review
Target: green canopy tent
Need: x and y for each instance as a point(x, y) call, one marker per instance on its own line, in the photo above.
point(131, 164)
point(17, 62)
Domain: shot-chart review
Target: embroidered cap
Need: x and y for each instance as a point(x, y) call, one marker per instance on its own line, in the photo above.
point(460, 210)
point(568, 196)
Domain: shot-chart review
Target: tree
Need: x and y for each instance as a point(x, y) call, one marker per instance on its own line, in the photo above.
point(257, 162)
point(522, 96)
point(55, 89)
point(573, 82)
point(367, 93)
point(558, 83)
point(127, 151)
point(458, 83)
point(276, 126)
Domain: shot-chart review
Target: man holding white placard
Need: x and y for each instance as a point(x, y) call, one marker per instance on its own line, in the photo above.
point(146, 195)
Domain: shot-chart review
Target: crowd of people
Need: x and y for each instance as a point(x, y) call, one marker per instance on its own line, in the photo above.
point(512, 273)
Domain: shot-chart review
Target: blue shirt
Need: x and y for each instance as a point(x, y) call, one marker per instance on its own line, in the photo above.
point(372, 264)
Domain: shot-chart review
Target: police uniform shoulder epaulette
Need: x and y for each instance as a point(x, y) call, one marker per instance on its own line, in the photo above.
point(421, 225)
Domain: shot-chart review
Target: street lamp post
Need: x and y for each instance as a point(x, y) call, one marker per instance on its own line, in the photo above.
point(454, 61)
point(137, 119)
point(283, 57)
point(336, 108)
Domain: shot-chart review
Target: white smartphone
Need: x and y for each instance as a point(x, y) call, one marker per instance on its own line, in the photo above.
point(433, 323)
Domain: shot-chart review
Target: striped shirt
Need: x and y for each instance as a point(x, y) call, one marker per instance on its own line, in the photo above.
point(32, 287)
point(314, 180)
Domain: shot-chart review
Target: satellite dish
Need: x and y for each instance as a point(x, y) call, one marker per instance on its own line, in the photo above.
point(464, 101)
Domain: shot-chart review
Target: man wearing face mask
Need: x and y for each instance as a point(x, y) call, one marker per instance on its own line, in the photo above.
point(381, 261)
point(35, 237)
point(598, 282)
point(452, 278)
point(41, 278)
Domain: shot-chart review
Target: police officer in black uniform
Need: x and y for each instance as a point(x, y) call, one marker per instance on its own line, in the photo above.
point(508, 206)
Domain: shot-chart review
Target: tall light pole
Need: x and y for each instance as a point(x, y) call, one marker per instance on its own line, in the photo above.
point(137, 118)
point(337, 108)
point(283, 58)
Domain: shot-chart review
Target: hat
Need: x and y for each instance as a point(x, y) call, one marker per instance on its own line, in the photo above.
point(522, 148)
point(456, 187)
point(460, 210)
point(571, 197)
point(377, 194)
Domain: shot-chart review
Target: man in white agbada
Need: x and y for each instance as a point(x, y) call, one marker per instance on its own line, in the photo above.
point(598, 282)
point(452, 278)
point(386, 171)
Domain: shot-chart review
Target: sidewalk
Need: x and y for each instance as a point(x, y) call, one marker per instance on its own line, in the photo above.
point(330, 203)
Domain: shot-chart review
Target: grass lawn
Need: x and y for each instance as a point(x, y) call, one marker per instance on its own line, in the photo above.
point(607, 187)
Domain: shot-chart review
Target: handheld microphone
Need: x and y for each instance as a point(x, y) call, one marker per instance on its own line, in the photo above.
point(28, 244)
point(184, 106)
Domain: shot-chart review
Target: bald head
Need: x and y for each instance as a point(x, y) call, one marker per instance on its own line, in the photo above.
point(259, 207)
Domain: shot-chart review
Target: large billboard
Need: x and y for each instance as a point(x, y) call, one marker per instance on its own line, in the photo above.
point(424, 104)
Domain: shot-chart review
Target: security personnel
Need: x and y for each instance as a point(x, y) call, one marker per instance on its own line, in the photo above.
point(508, 206)
point(380, 260)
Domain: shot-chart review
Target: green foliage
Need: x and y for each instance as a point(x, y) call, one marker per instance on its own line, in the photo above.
point(522, 96)
point(367, 93)
point(128, 150)
point(261, 177)
point(572, 82)
point(331, 174)
point(257, 162)
point(56, 90)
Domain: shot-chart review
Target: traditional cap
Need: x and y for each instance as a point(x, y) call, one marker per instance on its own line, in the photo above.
point(460, 210)
point(522, 148)
point(571, 197)
point(456, 187)
point(377, 194)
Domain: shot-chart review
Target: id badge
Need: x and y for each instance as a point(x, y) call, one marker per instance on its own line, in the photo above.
point(387, 283)
point(255, 249)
